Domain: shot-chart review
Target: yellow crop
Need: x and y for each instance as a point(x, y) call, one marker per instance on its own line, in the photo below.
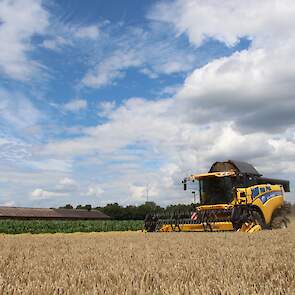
point(149, 263)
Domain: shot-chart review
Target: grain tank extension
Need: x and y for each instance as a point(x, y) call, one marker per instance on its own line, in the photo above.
point(233, 196)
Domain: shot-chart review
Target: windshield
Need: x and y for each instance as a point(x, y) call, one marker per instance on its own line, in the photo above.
point(216, 190)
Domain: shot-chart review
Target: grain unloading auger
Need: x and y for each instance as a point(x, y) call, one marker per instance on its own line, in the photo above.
point(233, 197)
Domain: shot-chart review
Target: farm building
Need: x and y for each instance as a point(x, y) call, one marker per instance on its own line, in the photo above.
point(44, 213)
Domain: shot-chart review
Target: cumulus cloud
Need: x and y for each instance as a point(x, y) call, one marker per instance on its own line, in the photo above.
point(19, 22)
point(41, 194)
point(94, 191)
point(252, 88)
point(56, 43)
point(160, 131)
point(142, 193)
point(138, 125)
point(8, 204)
point(64, 188)
point(138, 193)
point(90, 32)
point(105, 108)
point(266, 21)
point(67, 184)
point(247, 87)
point(75, 105)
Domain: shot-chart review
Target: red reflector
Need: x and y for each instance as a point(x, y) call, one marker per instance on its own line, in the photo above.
point(194, 216)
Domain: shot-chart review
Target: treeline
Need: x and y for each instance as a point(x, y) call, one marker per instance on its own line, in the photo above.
point(118, 212)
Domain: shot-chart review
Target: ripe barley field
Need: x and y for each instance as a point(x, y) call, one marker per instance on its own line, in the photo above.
point(155, 263)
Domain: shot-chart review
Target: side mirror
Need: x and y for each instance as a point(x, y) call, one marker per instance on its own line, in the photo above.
point(184, 185)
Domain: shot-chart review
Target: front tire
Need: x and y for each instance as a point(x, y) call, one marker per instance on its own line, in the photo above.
point(258, 219)
point(245, 215)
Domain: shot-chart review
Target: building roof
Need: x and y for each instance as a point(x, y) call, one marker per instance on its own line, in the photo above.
point(43, 213)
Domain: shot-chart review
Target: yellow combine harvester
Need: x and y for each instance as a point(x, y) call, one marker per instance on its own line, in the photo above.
point(233, 196)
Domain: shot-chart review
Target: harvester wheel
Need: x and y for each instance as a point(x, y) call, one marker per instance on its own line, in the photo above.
point(258, 219)
point(279, 222)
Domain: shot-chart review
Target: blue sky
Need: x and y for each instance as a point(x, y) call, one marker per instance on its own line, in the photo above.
point(101, 99)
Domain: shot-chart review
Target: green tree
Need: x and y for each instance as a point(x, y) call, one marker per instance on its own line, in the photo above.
point(114, 210)
point(181, 208)
point(85, 207)
point(67, 206)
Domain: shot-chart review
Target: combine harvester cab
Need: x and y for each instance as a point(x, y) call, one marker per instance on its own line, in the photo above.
point(233, 196)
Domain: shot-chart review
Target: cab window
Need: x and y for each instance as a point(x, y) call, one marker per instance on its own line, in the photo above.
point(262, 190)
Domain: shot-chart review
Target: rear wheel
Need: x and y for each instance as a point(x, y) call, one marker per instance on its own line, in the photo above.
point(279, 222)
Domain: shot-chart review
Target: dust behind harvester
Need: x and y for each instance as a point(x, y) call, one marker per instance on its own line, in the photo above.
point(233, 196)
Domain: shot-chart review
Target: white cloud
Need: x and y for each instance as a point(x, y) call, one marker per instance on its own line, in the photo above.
point(138, 193)
point(41, 194)
point(90, 32)
point(56, 43)
point(106, 108)
point(67, 184)
point(267, 21)
point(19, 180)
point(69, 36)
point(148, 72)
point(18, 111)
point(145, 51)
point(94, 191)
point(132, 117)
point(13, 149)
point(75, 105)
point(142, 193)
point(171, 67)
point(8, 204)
point(111, 68)
point(50, 164)
point(245, 86)
point(171, 90)
point(19, 22)
point(156, 127)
